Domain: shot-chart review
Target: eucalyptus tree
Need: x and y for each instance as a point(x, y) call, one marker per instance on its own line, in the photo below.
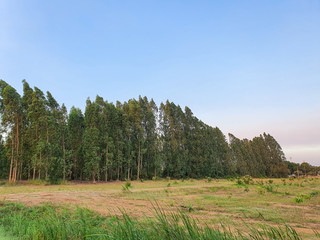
point(152, 151)
point(76, 127)
point(91, 141)
point(37, 116)
point(26, 134)
point(135, 116)
point(11, 121)
point(276, 160)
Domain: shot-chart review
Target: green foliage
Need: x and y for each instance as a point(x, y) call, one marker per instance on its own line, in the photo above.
point(269, 187)
point(127, 186)
point(298, 199)
point(247, 179)
point(239, 181)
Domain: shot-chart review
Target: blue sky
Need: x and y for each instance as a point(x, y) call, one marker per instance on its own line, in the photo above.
point(244, 66)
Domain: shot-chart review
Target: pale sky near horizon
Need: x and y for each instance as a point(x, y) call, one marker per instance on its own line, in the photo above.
point(247, 67)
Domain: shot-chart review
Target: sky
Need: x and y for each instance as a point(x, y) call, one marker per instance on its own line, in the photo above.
point(247, 67)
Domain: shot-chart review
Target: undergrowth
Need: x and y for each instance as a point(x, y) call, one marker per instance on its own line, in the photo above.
point(48, 222)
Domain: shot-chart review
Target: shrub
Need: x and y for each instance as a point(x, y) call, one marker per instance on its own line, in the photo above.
point(247, 179)
point(269, 187)
point(239, 181)
point(308, 196)
point(127, 186)
point(261, 191)
point(260, 182)
point(315, 193)
point(299, 199)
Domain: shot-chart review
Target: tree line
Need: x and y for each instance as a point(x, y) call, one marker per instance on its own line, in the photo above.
point(131, 140)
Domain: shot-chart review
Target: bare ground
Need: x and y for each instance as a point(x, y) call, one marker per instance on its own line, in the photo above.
point(139, 202)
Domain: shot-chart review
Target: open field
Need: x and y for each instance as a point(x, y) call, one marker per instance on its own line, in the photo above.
point(274, 202)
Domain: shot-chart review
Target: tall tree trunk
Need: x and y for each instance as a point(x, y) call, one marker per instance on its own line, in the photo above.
point(141, 161)
point(20, 171)
point(118, 177)
point(47, 163)
point(64, 159)
point(138, 161)
point(128, 173)
point(10, 173)
point(107, 160)
point(34, 168)
point(17, 150)
point(40, 168)
point(75, 175)
point(94, 177)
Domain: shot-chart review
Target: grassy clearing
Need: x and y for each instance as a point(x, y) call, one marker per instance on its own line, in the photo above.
point(273, 202)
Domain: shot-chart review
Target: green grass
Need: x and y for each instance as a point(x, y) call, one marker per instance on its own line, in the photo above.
point(5, 236)
point(48, 222)
point(212, 202)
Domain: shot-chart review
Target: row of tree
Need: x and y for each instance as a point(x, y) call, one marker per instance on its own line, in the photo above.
point(302, 169)
point(130, 140)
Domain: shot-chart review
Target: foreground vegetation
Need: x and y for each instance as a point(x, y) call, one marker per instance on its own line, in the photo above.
point(234, 203)
point(48, 222)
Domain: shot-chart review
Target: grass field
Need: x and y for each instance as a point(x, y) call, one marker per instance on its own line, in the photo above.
point(232, 203)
